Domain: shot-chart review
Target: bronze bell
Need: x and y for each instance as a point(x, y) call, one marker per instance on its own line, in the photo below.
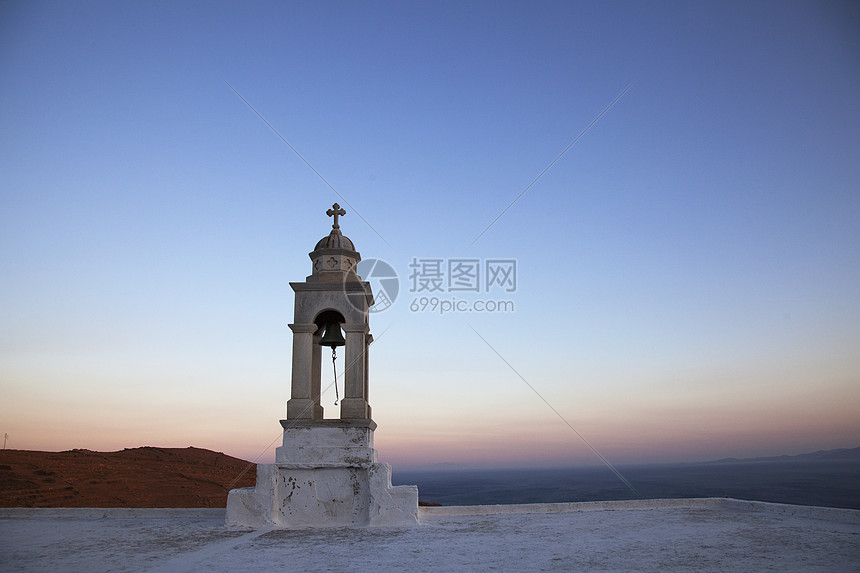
point(332, 336)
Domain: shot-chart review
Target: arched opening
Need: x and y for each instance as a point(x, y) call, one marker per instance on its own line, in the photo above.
point(329, 315)
point(329, 362)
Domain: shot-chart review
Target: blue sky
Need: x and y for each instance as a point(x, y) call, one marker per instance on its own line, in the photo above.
point(688, 271)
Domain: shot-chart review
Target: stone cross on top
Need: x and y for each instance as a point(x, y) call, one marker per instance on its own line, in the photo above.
point(335, 211)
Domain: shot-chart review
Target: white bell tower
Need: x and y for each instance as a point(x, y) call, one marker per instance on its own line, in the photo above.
point(326, 471)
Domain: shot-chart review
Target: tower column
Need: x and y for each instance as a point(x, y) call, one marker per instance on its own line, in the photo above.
point(303, 404)
point(316, 366)
point(354, 404)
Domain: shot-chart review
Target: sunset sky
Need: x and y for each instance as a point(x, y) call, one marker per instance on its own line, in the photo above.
point(688, 271)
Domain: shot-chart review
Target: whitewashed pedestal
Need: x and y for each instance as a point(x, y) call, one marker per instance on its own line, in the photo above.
point(325, 474)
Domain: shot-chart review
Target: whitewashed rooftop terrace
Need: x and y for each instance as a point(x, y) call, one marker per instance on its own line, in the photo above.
point(649, 535)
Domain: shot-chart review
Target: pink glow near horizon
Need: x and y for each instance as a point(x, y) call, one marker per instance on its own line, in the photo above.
point(646, 435)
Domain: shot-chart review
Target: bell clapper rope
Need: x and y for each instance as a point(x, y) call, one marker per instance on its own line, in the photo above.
point(334, 373)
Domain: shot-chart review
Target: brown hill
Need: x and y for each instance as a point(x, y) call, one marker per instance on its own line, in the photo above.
point(137, 477)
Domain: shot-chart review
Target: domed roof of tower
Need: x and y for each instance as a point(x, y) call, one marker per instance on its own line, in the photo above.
point(334, 258)
point(335, 240)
